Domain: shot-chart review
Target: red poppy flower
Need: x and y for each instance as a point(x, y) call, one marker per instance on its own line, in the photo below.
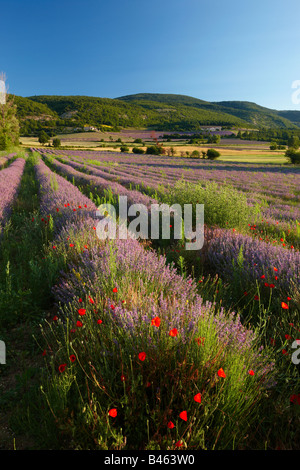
point(251, 372)
point(221, 373)
point(142, 356)
point(284, 351)
point(276, 278)
point(155, 321)
point(54, 247)
point(183, 415)
point(62, 367)
point(113, 412)
point(79, 323)
point(272, 286)
point(275, 269)
point(295, 399)
point(197, 397)
point(44, 352)
point(263, 276)
point(71, 245)
point(123, 378)
point(256, 297)
point(82, 311)
point(284, 306)
point(91, 300)
point(55, 318)
point(112, 306)
point(288, 337)
point(170, 425)
point(72, 358)
point(289, 298)
point(173, 332)
point(80, 300)
point(115, 289)
point(179, 444)
point(99, 321)
point(200, 341)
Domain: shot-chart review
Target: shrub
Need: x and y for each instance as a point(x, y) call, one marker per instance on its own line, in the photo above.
point(223, 205)
point(124, 148)
point(293, 156)
point(195, 154)
point(153, 150)
point(137, 150)
point(212, 154)
point(56, 143)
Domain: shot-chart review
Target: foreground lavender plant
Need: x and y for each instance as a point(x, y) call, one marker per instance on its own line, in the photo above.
point(10, 179)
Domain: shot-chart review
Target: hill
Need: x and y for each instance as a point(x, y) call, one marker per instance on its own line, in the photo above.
point(254, 115)
point(169, 112)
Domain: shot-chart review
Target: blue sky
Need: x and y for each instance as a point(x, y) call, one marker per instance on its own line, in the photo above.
point(213, 50)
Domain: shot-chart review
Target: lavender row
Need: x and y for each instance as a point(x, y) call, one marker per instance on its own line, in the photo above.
point(10, 179)
point(62, 200)
point(254, 259)
point(101, 184)
point(6, 158)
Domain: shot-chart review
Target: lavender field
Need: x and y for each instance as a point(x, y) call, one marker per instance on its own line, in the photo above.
point(138, 343)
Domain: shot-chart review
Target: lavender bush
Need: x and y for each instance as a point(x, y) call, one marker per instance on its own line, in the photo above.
point(10, 179)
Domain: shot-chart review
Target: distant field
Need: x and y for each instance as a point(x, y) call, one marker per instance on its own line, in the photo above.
point(231, 149)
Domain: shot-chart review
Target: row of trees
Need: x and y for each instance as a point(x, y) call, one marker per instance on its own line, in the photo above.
point(210, 154)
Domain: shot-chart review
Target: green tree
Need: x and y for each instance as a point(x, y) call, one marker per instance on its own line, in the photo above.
point(9, 124)
point(43, 137)
point(294, 142)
